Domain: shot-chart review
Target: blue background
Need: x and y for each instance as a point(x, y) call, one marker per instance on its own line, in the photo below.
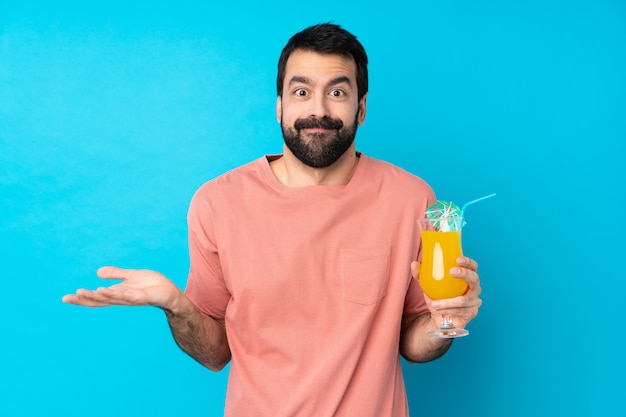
point(113, 113)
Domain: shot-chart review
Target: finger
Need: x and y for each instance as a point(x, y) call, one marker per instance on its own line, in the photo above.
point(415, 269)
point(125, 297)
point(459, 303)
point(112, 272)
point(467, 310)
point(461, 315)
point(103, 297)
point(94, 295)
point(465, 274)
point(82, 301)
point(69, 299)
point(466, 262)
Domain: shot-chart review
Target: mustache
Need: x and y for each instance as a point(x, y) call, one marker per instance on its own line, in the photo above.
point(316, 123)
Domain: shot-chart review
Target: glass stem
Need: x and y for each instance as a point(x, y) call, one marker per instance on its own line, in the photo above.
point(446, 322)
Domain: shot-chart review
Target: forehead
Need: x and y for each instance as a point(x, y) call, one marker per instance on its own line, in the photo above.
point(318, 66)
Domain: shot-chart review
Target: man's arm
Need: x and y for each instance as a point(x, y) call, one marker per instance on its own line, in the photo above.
point(198, 334)
point(415, 345)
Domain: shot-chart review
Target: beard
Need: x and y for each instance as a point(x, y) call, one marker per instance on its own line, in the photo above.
point(319, 150)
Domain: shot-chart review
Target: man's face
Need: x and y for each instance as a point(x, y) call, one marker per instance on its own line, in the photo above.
point(319, 110)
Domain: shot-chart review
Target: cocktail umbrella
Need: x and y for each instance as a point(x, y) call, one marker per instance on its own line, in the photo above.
point(444, 216)
point(449, 217)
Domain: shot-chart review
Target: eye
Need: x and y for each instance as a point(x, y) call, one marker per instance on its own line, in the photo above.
point(300, 92)
point(337, 93)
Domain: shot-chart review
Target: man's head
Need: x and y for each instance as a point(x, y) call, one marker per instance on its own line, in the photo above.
point(322, 90)
point(326, 39)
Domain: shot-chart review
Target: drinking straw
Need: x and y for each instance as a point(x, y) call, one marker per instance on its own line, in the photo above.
point(474, 201)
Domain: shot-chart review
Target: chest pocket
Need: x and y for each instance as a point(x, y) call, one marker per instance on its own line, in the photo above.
point(364, 274)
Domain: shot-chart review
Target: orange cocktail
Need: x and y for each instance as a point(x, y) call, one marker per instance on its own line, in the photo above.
point(439, 253)
point(440, 232)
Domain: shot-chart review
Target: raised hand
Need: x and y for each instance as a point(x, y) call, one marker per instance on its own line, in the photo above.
point(463, 308)
point(139, 287)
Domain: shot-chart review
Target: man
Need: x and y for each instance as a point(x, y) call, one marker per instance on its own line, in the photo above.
point(302, 264)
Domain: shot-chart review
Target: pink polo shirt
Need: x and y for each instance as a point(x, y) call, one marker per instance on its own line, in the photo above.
point(312, 284)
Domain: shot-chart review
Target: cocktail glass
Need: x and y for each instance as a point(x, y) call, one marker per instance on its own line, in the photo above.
point(441, 246)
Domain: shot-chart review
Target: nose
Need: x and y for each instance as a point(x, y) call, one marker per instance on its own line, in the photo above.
point(318, 106)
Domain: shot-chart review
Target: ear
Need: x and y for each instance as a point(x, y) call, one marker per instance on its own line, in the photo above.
point(279, 108)
point(362, 110)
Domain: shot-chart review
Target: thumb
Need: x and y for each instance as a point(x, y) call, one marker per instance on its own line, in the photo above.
point(112, 272)
point(415, 269)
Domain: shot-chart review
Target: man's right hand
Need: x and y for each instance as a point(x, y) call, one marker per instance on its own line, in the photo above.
point(139, 287)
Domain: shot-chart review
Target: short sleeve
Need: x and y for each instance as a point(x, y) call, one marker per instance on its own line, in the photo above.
point(206, 287)
point(414, 303)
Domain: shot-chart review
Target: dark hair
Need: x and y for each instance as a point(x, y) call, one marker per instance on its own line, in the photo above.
point(326, 38)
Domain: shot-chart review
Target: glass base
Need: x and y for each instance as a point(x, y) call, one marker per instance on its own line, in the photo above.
point(447, 333)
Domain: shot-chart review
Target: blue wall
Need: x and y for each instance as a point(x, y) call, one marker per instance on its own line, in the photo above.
point(112, 114)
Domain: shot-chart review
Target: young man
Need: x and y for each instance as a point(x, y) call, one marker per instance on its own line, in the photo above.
point(303, 264)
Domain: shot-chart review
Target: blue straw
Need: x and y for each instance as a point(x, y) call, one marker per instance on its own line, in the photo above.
point(474, 201)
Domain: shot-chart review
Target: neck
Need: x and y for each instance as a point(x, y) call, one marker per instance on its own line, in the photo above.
point(291, 172)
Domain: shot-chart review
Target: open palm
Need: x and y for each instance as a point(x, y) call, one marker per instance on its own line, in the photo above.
point(139, 287)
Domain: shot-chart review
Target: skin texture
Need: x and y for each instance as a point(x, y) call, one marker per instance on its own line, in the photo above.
point(315, 87)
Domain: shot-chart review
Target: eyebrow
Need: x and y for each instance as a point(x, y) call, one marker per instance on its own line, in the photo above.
point(307, 80)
